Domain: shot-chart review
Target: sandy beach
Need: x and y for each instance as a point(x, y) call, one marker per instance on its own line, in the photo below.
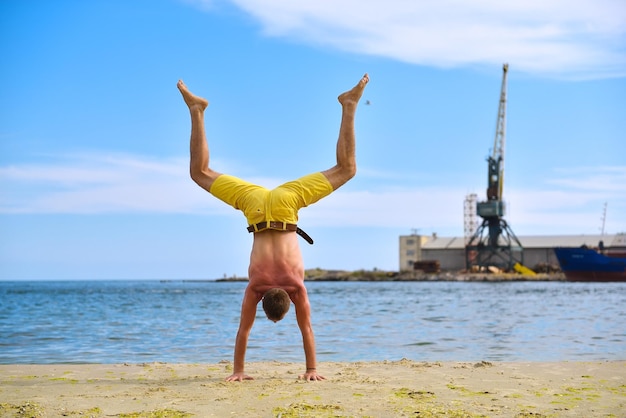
point(366, 389)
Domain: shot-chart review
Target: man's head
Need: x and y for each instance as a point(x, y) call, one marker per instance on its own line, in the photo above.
point(276, 303)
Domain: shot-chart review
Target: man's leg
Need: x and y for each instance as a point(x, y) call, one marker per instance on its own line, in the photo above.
point(198, 146)
point(346, 147)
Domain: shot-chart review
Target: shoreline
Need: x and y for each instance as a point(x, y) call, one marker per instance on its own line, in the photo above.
point(361, 389)
point(320, 275)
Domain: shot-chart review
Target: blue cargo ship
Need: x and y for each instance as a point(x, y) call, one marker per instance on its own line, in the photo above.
point(584, 264)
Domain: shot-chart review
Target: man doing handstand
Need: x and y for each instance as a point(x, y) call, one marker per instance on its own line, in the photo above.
point(276, 270)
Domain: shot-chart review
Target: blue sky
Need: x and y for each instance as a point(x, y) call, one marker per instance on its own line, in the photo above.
point(94, 134)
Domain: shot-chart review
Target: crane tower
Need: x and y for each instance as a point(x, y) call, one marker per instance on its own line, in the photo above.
point(494, 243)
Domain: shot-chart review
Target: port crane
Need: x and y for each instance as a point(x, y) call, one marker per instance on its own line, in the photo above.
point(494, 244)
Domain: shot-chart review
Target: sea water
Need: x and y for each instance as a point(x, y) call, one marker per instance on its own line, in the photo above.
point(196, 322)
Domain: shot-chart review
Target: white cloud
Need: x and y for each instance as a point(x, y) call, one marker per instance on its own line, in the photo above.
point(573, 199)
point(100, 183)
point(557, 38)
point(571, 202)
point(596, 179)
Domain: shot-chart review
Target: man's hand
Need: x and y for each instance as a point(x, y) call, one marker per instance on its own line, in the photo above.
point(311, 376)
point(238, 377)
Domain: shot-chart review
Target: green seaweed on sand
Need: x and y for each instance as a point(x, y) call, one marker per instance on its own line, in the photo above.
point(159, 413)
point(423, 404)
point(408, 393)
point(305, 410)
point(466, 391)
point(89, 413)
point(64, 379)
point(24, 410)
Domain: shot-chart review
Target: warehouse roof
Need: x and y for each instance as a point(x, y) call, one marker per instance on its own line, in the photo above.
point(534, 241)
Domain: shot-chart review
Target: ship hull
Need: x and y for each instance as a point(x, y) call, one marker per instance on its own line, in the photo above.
point(586, 265)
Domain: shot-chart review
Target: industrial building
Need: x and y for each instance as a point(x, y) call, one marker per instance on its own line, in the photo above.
point(450, 252)
point(491, 243)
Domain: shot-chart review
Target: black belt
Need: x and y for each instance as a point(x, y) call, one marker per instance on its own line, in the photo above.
point(281, 226)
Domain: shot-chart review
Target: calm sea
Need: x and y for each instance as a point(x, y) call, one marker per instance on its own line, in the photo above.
point(196, 322)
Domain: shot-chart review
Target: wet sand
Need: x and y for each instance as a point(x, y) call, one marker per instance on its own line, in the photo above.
point(365, 389)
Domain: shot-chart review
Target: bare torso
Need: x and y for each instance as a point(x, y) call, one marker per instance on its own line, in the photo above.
point(276, 261)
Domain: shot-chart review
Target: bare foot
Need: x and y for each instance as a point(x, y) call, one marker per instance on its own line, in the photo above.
point(191, 100)
point(353, 95)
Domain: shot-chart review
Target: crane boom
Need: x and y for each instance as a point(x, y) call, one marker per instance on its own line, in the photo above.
point(500, 138)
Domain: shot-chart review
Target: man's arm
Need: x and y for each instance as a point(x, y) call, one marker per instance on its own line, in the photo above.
point(248, 313)
point(303, 316)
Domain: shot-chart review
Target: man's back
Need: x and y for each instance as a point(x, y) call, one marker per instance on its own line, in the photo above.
point(276, 261)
